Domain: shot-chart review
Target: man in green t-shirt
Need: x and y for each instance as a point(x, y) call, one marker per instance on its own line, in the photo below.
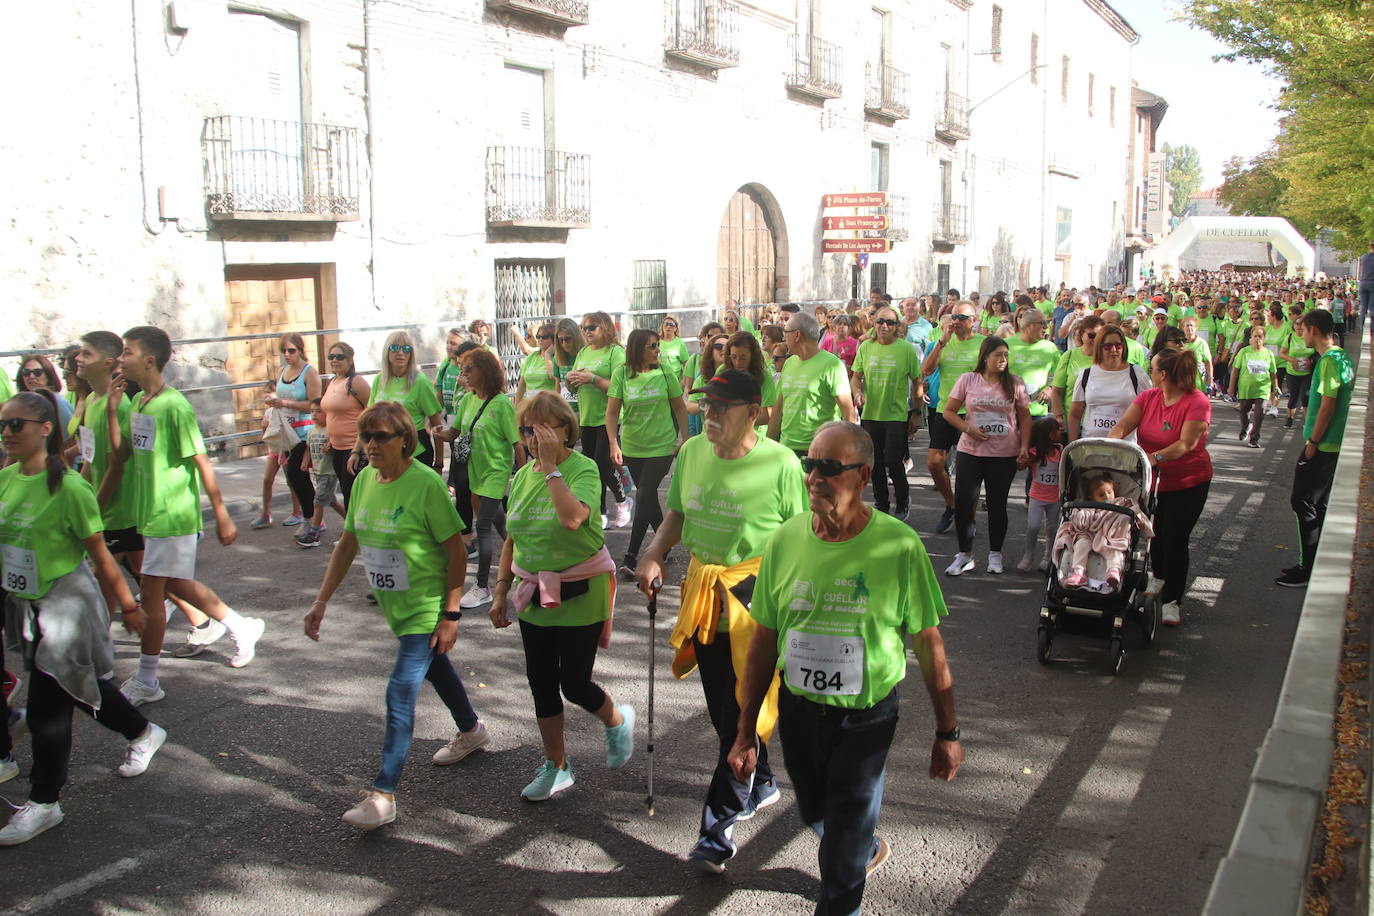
point(813, 388)
point(840, 589)
point(1032, 359)
point(954, 353)
point(1328, 404)
point(729, 493)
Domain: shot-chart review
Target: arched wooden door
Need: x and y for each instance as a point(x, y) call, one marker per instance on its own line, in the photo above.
point(747, 251)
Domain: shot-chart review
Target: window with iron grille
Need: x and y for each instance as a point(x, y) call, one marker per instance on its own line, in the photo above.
point(650, 293)
point(996, 34)
point(877, 277)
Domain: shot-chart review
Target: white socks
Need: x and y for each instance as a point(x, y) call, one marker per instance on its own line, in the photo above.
point(147, 669)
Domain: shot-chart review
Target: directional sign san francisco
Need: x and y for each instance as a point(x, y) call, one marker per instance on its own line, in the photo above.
point(858, 199)
point(844, 223)
point(856, 246)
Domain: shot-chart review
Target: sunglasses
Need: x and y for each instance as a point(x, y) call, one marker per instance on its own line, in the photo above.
point(337, 357)
point(1113, 346)
point(290, 350)
point(16, 424)
point(400, 348)
point(960, 317)
point(562, 339)
point(33, 373)
point(543, 337)
point(652, 346)
point(377, 436)
point(719, 346)
point(588, 328)
point(828, 467)
point(670, 324)
point(885, 322)
point(1091, 335)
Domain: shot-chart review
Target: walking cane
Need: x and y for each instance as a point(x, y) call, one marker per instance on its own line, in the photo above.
point(653, 640)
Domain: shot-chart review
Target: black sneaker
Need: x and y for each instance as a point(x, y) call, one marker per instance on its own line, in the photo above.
point(708, 859)
point(1253, 444)
point(946, 519)
point(1291, 571)
point(1293, 578)
point(1288, 423)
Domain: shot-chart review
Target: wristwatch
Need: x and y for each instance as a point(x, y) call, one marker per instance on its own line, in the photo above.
point(951, 735)
point(1158, 457)
point(552, 474)
point(451, 615)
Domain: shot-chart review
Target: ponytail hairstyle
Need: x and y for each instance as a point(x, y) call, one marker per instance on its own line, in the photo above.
point(1044, 432)
point(1179, 367)
point(43, 405)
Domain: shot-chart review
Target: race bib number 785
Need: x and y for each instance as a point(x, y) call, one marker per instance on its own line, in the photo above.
point(386, 569)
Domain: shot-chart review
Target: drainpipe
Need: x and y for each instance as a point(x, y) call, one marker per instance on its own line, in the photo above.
point(371, 172)
point(1044, 142)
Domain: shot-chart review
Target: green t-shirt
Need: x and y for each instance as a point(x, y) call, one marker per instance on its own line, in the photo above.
point(165, 439)
point(808, 389)
point(1335, 378)
point(445, 381)
point(729, 508)
point(1148, 333)
point(1211, 330)
point(1204, 355)
point(119, 514)
point(1032, 363)
point(490, 462)
point(42, 532)
point(1274, 337)
point(419, 399)
point(1254, 371)
point(888, 371)
point(1071, 366)
point(1300, 351)
point(1137, 354)
point(400, 527)
point(672, 355)
point(1046, 307)
point(536, 375)
point(1234, 333)
point(990, 322)
point(6, 389)
point(842, 611)
point(646, 416)
point(543, 544)
point(591, 400)
point(956, 358)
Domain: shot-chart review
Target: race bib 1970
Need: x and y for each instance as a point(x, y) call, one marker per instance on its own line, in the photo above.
point(825, 665)
point(386, 569)
point(991, 423)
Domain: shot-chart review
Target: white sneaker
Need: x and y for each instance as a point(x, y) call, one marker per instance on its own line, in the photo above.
point(1026, 564)
point(962, 563)
point(198, 638)
point(9, 768)
point(605, 521)
point(141, 751)
point(1171, 615)
point(476, 597)
point(293, 520)
point(463, 743)
point(375, 810)
point(138, 693)
point(624, 511)
point(246, 642)
point(29, 821)
point(995, 561)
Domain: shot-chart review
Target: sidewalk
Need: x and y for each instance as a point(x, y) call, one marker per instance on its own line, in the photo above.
point(240, 483)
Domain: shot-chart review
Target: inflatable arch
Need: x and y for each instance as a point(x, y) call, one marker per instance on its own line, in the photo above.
point(1301, 257)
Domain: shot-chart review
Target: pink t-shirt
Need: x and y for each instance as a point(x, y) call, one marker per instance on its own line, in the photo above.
point(1045, 477)
point(1160, 427)
point(845, 351)
point(987, 407)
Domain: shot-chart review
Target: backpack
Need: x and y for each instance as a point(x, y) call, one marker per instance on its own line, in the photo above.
point(1130, 367)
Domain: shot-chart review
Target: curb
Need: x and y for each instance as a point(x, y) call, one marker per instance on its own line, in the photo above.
point(1266, 868)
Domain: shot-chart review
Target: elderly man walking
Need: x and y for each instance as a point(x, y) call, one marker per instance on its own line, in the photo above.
point(813, 388)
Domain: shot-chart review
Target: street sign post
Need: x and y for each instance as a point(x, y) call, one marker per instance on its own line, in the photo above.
point(856, 199)
point(847, 223)
point(856, 246)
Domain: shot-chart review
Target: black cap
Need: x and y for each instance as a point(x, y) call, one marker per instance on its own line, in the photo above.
point(793, 308)
point(732, 385)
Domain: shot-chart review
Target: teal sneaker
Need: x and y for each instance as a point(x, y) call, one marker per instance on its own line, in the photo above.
point(620, 739)
point(549, 780)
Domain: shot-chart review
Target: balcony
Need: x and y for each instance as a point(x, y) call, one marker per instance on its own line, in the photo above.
point(261, 169)
point(538, 188)
point(816, 67)
point(950, 226)
point(886, 92)
point(951, 121)
point(558, 12)
point(704, 33)
point(898, 216)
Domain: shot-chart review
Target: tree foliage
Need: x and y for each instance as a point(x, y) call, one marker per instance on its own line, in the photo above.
point(1183, 172)
point(1319, 172)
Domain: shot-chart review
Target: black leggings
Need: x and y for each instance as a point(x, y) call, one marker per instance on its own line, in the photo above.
point(889, 448)
point(1298, 386)
point(50, 723)
point(995, 476)
point(491, 519)
point(597, 446)
point(1176, 512)
point(562, 657)
point(647, 473)
point(298, 479)
point(426, 456)
point(462, 493)
point(339, 457)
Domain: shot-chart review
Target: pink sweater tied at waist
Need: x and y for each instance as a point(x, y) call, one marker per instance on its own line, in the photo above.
point(549, 582)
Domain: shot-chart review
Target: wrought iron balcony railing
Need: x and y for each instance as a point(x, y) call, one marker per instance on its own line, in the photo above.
point(559, 12)
point(816, 67)
point(704, 32)
point(535, 187)
point(951, 122)
point(887, 92)
point(261, 169)
point(950, 225)
point(897, 212)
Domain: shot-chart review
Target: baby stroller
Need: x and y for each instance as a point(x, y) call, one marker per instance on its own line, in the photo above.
point(1102, 609)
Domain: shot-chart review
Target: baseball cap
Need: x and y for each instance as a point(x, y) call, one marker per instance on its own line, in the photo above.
point(1160, 299)
point(732, 385)
point(1164, 312)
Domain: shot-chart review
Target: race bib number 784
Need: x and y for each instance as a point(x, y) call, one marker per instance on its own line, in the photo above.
point(825, 665)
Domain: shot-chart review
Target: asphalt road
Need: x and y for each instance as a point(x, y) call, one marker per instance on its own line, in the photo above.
point(1081, 792)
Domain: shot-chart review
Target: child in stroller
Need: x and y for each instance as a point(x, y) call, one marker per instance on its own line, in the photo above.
point(1100, 531)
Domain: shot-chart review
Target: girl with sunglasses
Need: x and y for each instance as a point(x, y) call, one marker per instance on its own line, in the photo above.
point(343, 401)
point(672, 349)
point(292, 395)
point(37, 373)
point(56, 616)
point(591, 379)
point(1074, 361)
point(567, 344)
point(399, 380)
point(1103, 392)
point(538, 372)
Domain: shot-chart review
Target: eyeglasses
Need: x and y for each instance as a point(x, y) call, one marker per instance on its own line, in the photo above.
point(960, 317)
point(337, 357)
point(16, 424)
point(543, 337)
point(400, 348)
point(718, 347)
point(33, 373)
point(377, 436)
point(289, 350)
point(1114, 345)
point(719, 407)
point(828, 467)
point(886, 322)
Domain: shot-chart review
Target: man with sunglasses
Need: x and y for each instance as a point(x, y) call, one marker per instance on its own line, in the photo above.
point(839, 590)
point(813, 388)
point(954, 353)
point(729, 493)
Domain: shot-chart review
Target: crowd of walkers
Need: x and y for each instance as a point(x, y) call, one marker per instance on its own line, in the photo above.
point(799, 598)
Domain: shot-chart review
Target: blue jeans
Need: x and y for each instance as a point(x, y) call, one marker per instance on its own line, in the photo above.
point(1366, 300)
point(836, 759)
point(416, 662)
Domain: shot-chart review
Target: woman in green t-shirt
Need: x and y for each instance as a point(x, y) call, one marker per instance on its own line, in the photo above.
point(646, 423)
point(402, 522)
point(1252, 381)
point(537, 372)
point(567, 343)
point(672, 349)
point(58, 622)
point(744, 353)
point(400, 380)
point(591, 378)
point(556, 541)
point(485, 428)
point(691, 369)
point(1299, 358)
